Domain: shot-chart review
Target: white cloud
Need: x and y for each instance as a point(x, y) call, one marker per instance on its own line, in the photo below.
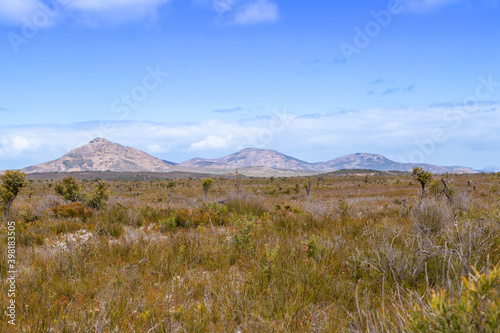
point(15, 11)
point(261, 11)
point(20, 144)
point(393, 132)
point(14, 145)
point(156, 148)
point(238, 12)
point(209, 143)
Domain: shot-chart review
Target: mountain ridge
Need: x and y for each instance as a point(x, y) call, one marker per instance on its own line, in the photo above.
point(353, 161)
point(103, 155)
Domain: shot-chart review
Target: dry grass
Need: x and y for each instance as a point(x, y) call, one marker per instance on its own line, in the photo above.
point(358, 255)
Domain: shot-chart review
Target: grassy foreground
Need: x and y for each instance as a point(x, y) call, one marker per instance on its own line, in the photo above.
point(362, 253)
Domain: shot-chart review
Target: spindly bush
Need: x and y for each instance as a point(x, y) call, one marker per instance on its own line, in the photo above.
point(206, 185)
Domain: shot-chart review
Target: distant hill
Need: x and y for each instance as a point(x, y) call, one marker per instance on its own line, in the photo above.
point(381, 163)
point(276, 160)
point(103, 155)
point(359, 172)
point(491, 168)
point(251, 157)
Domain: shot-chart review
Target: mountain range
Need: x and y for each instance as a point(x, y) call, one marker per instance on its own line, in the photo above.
point(103, 155)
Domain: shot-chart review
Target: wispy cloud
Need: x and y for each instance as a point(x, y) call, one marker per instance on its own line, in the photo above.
point(105, 5)
point(15, 11)
point(389, 87)
point(3, 109)
point(116, 11)
point(92, 12)
point(390, 91)
point(340, 60)
point(309, 67)
point(232, 110)
point(246, 12)
point(410, 88)
point(382, 81)
point(428, 6)
point(423, 6)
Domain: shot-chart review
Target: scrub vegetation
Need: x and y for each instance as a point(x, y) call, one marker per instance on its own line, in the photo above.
point(348, 251)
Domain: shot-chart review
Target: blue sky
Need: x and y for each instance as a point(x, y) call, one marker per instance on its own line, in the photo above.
point(414, 80)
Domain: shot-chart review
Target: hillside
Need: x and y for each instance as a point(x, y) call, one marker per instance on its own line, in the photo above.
point(103, 155)
point(381, 163)
point(251, 157)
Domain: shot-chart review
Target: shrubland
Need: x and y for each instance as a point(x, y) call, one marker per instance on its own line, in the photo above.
point(336, 253)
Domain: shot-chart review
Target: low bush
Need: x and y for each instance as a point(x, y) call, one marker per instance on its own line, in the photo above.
point(72, 210)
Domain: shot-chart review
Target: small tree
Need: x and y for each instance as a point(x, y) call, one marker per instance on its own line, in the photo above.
point(422, 176)
point(69, 188)
point(307, 186)
point(206, 184)
point(12, 183)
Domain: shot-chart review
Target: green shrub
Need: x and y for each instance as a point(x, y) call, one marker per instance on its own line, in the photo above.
point(270, 261)
point(168, 224)
point(11, 184)
point(244, 237)
point(476, 310)
point(100, 195)
point(311, 248)
point(70, 189)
